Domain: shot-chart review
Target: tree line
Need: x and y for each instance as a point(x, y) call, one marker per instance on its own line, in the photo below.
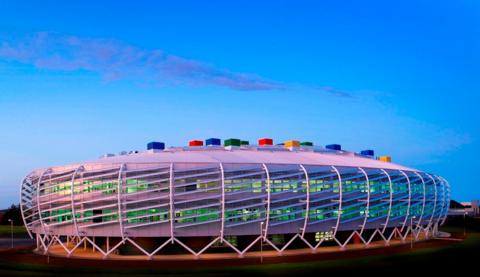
point(12, 213)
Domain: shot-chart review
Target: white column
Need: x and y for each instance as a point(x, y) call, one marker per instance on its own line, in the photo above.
point(38, 200)
point(368, 200)
point(72, 199)
point(267, 220)
point(435, 200)
point(409, 200)
point(222, 202)
point(443, 200)
point(447, 199)
point(340, 199)
point(21, 206)
point(390, 201)
point(442, 197)
point(172, 212)
point(119, 200)
point(307, 205)
point(424, 199)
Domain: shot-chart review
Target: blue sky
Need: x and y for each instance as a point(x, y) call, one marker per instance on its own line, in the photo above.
point(80, 79)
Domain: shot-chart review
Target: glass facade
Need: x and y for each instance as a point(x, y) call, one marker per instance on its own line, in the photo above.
point(228, 199)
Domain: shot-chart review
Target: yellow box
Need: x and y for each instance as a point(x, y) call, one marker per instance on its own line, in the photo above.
point(387, 159)
point(291, 143)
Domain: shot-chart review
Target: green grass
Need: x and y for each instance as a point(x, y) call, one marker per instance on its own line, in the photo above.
point(5, 230)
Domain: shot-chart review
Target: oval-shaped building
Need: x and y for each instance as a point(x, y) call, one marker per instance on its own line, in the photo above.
point(232, 195)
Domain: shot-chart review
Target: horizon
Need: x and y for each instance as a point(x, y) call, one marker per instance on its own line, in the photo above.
point(80, 80)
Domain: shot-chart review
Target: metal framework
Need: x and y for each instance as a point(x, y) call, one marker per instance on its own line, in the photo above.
point(221, 200)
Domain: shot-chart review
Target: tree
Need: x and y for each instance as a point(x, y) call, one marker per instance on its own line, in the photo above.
point(14, 214)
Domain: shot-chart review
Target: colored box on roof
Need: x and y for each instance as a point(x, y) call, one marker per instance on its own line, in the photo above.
point(213, 141)
point(244, 142)
point(336, 147)
point(387, 159)
point(154, 145)
point(195, 143)
point(367, 153)
point(232, 142)
point(306, 143)
point(291, 143)
point(265, 141)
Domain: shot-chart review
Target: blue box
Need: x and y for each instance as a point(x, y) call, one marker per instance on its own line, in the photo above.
point(336, 147)
point(155, 145)
point(367, 153)
point(213, 141)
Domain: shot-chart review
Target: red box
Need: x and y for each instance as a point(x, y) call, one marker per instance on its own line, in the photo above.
point(195, 143)
point(265, 141)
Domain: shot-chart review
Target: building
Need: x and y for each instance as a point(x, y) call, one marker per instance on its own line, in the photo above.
point(232, 195)
point(472, 208)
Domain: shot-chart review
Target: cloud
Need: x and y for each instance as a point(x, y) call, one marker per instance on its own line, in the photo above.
point(114, 60)
point(434, 143)
point(334, 92)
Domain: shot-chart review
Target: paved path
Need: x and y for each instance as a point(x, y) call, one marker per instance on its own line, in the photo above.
point(7, 243)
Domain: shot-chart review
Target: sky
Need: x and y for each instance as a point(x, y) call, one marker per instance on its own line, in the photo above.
point(79, 79)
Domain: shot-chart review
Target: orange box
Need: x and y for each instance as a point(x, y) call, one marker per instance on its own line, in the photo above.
point(291, 143)
point(387, 159)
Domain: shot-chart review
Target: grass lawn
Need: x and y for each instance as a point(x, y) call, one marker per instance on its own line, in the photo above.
point(5, 230)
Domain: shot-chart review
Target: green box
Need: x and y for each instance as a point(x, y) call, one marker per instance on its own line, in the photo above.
point(306, 143)
point(232, 142)
point(244, 142)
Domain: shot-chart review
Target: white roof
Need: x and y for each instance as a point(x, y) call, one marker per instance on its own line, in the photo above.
point(250, 156)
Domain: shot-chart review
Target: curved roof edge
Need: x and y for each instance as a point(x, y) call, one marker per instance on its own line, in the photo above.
point(245, 156)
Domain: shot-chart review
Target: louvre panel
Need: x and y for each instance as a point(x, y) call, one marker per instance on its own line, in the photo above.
point(223, 198)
